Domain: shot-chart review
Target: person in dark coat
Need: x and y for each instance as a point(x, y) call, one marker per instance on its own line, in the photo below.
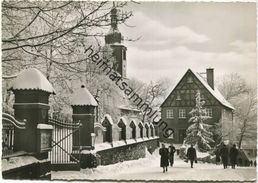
point(251, 163)
point(233, 156)
point(255, 163)
point(171, 150)
point(224, 155)
point(164, 158)
point(191, 155)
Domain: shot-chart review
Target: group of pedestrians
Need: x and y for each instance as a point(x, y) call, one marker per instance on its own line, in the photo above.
point(167, 156)
point(225, 155)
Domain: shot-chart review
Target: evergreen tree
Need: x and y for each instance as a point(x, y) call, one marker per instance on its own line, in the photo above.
point(198, 132)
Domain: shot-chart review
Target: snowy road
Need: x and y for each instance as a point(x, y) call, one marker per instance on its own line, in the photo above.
point(148, 169)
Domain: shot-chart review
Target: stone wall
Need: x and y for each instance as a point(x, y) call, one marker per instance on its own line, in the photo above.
point(127, 152)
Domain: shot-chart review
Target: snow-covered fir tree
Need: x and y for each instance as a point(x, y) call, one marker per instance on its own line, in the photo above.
point(198, 132)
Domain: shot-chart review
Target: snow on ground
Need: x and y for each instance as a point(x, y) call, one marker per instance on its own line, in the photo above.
point(19, 161)
point(201, 154)
point(148, 169)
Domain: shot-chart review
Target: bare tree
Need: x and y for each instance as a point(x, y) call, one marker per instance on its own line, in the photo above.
point(52, 36)
point(152, 94)
point(246, 116)
point(244, 99)
point(232, 85)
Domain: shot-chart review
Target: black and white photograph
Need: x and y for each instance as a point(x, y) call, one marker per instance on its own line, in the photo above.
point(129, 91)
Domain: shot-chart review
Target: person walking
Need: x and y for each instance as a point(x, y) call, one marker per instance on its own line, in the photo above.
point(163, 151)
point(171, 150)
point(191, 155)
point(224, 155)
point(233, 156)
point(251, 163)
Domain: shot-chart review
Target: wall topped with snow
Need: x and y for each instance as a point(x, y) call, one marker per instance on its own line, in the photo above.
point(82, 97)
point(31, 79)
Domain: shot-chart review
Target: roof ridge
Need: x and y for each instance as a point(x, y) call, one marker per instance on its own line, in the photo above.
point(214, 92)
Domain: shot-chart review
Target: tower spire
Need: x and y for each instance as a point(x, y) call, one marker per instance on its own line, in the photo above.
point(113, 40)
point(114, 17)
point(113, 36)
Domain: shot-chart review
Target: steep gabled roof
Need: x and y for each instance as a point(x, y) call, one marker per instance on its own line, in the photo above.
point(215, 93)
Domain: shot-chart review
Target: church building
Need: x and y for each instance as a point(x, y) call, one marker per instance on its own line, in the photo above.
point(176, 107)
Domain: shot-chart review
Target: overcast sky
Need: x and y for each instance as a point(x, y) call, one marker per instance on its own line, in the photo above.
point(176, 36)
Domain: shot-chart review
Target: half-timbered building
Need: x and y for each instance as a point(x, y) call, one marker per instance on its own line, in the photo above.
point(175, 109)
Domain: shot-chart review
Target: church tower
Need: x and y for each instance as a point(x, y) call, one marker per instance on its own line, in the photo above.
point(114, 40)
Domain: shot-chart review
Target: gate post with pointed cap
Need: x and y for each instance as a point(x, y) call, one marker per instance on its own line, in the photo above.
point(32, 91)
point(84, 108)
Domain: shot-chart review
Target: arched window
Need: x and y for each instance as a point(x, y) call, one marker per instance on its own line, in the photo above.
point(140, 125)
point(122, 124)
point(152, 130)
point(147, 130)
point(133, 126)
point(107, 122)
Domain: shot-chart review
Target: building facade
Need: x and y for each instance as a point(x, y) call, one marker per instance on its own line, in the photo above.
point(176, 107)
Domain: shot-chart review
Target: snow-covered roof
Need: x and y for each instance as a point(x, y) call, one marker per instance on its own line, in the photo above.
point(44, 126)
point(216, 93)
point(100, 126)
point(82, 97)
point(109, 118)
point(129, 108)
point(31, 79)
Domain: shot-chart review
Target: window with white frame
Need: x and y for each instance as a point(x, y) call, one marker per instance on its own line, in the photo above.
point(182, 113)
point(170, 113)
point(208, 112)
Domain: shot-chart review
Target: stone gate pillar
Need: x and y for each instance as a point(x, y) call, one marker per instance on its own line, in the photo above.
point(32, 91)
point(84, 108)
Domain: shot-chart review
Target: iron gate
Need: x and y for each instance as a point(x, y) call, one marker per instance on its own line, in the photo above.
point(64, 155)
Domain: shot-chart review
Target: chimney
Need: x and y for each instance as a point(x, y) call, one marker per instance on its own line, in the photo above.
point(210, 77)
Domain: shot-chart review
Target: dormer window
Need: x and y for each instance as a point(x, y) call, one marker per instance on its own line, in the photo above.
point(189, 79)
point(178, 97)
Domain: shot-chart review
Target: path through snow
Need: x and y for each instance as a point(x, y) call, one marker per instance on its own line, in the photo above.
point(148, 169)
